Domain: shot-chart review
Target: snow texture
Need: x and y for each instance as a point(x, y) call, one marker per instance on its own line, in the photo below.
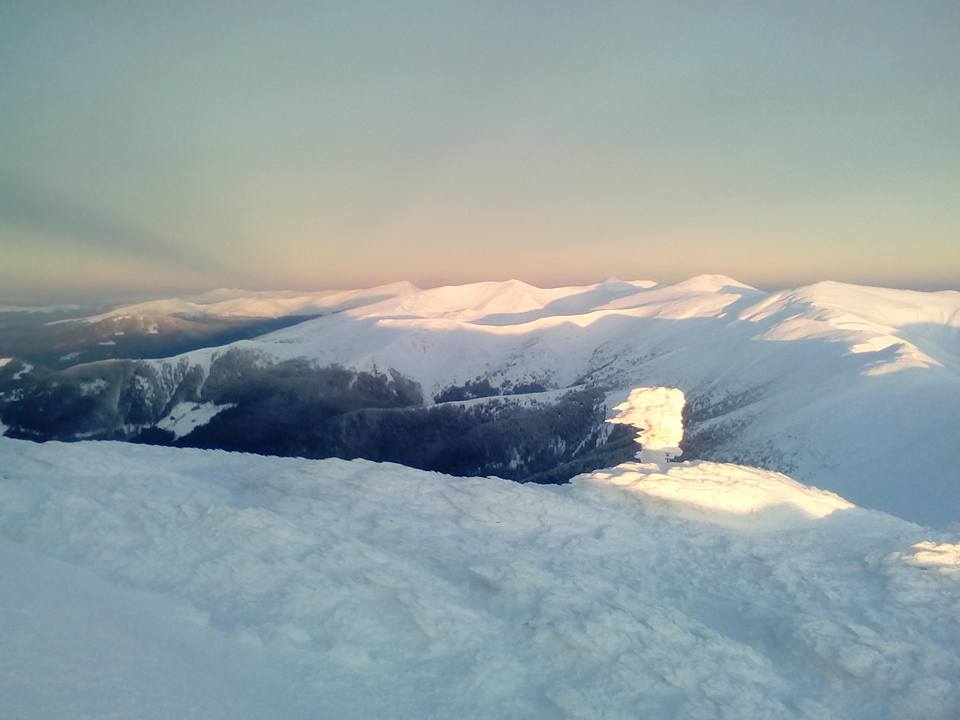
point(152, 582)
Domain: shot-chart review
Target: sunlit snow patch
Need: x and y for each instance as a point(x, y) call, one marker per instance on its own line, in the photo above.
point(657, 413)
point(725, 494)
point(934, 556)
point(731, 495)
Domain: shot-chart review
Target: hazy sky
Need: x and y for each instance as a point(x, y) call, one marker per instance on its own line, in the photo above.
point(162, 145)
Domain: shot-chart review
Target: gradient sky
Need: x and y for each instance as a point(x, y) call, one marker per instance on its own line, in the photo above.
point(155, 146)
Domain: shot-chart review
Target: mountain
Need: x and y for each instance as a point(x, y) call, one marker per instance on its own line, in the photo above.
point(62, 336)
point(226, 302)
point(850, 388)
point(156, 582)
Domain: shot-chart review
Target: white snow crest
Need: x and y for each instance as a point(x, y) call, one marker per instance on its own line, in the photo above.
point(657, 412)
point(930, 555)
point(734, 496)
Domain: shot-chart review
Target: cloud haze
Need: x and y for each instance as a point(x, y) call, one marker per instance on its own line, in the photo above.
point(153, 145)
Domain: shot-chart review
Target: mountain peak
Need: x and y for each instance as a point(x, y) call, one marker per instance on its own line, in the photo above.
point(712, 283)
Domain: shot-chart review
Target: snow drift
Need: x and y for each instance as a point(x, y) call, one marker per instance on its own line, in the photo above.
point(732, 495)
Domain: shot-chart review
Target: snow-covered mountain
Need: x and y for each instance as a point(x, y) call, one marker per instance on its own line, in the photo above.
point(851, 388)
point(227, 302)
point(154, 582)
point(159, 328)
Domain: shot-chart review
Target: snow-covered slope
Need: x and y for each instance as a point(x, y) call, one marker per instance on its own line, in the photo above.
point(504, 321)
point(148, 582)
point(853, 388)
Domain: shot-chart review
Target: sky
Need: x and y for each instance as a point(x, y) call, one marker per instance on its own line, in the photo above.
point(153, 147)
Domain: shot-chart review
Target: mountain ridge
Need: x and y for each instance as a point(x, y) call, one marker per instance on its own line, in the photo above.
point(838, 384)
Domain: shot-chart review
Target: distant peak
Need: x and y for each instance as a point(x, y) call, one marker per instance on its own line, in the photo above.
point(400, 287)
point(614, 281)
point(713, 282)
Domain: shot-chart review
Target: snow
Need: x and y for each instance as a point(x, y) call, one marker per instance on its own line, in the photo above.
point(504, 303)
point(93, 387)
point(162, 582)
point(871, 320)
point(27, 367)
point(185, 417)
point(940, 556)
point(658, 415)
point(247, 304)
point(735, 496)
point(77, 646)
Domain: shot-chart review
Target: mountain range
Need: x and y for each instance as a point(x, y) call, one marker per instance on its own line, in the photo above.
point(845, 387)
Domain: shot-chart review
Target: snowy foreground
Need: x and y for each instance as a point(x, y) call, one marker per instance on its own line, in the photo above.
point(148, 582)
